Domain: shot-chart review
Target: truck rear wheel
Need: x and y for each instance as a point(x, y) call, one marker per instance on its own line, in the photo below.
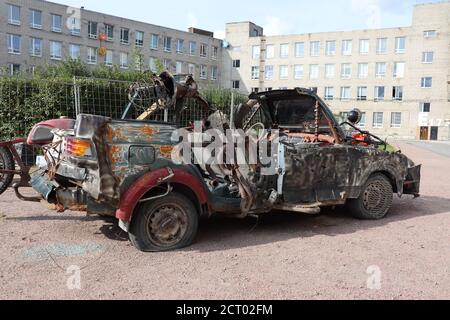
point(375, 200)
point(6, 163)
point(165, 224)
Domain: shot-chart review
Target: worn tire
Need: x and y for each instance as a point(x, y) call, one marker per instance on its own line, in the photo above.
point(155, 223)
point(6, 163)
point(375, 200)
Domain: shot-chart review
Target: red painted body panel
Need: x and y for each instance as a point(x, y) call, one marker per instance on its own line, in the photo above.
point(131, 197)
point(12, 142)
point(65, 124)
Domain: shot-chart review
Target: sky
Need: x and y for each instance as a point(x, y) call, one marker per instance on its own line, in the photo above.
point(277, 17)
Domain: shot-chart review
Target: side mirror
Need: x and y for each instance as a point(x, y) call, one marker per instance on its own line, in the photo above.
point(354, 116)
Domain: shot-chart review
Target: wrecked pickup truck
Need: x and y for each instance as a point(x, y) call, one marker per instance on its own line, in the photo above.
point(144, 173)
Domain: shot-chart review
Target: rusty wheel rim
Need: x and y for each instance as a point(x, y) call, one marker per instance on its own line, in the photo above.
point(375, 198)
point(167, 225)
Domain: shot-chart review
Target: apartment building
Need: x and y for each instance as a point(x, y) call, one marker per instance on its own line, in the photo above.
point(37, 31)
point(399, 77)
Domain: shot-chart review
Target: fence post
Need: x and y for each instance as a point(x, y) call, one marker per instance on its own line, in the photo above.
point(232, 111)
point(75, 97)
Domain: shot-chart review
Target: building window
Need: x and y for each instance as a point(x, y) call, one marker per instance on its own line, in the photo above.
point(14, 15)
point(428, 57)
point(179, 67)
point(109, 58)
point(14, 43)
point(92, 30)
point(255, 73)
point(329, 71)
point(214, 72)
point(270, 51)
point(363, 70)
point(396, 120)
point(91, 55)
point(269, 73)
point(299, 49)
point(74, 51)
point(168, 44)
point(203, 50)
point(235, 84)
point(397, 93)
point(378, 119)
point(153, 64)
point(255, 90)
point(426, 82)
point(425, 107)
point(315, 48)
point(35, 19)
point(314, 71)
point(166, 64)
point(215, 52)
point(330, 48)
point(430, 34)
point(380, 69)
point(346, 71)
point(191, 69)
point(36, 47)
point(55, 50)
point(284, 72)
point(236, 63)
point(362, 93)
point(284, 50)
point(381, 45)
point(347, 47)
point(75, 26)
point(364, 46)
point(329, 93)
point(362, 123)
point(124, 60)
point(256, 51)
point(345, 93)
point(124, 36)
point(399, 69)
point(192, 48)
point(298, 72)
point(203, 72)
point(139, 39)
point(14, 69)
point(109, 31)
point(154, 43)
point(56, 23)
point(400, 45)
point(379, 94)
point(180, 46)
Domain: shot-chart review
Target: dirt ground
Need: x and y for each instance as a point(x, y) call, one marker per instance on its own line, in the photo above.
point(281, 256)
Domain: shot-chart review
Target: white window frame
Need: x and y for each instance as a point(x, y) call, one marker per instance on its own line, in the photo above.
point(93, 34)
point(346, 67)
point(11, 19)
point(75, 26)
point(124, 31)
point(362, 93)
point(109, 28)
point(314, 75)
point(300, 49)
point(363, 122)
point(397, 96)
point(256, 52)
point(394, 123)
point(378, 124)
point(380, 49)
point(363, 70)
point(33, 23)
point(139, 41)
point(398, 42)
point(426, 57)
point(269, 72)
point(364, 46)
point(330, 48)
point(167, 44)
point(428, 34)
point(92, 55)
point(399, 69)
point(379, 74)
point(347, 47)
point(329, 93)
point(11, 69)
point(255, 73)
point(214, 73)
point(203, 50)
point(52, 53)
point(11, 48)
point(33, 42)
point(270, 51)
point(203, 72)
point(178, 67)
point(53, 27)
point(422, 107)
point(346, 93)
point(192, 48)
point(71, 51)
point(109, 58)
point(284, 72)
point(426, 82)
point(214, 52)
point(377, 96)
point(123, 60)
point(154, 41)
point(191, 69)
point(152, 64)
point(284, 50)
point(314, 51)
point(299, 71)
point(330, 67)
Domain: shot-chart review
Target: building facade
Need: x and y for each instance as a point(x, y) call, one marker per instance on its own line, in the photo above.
point(399, 77)
point(38, 32)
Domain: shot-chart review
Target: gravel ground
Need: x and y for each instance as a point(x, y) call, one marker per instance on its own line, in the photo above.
point(283, 256)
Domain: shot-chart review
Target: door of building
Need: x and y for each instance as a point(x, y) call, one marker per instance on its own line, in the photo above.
point(434, 133)
point(423, 133)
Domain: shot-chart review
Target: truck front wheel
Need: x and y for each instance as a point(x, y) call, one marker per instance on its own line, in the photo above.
point(165, 224)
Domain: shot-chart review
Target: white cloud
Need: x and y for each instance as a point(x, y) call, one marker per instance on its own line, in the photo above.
point(275, 26)
point(371, 9)
point(192, 20)
point(219, 34)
